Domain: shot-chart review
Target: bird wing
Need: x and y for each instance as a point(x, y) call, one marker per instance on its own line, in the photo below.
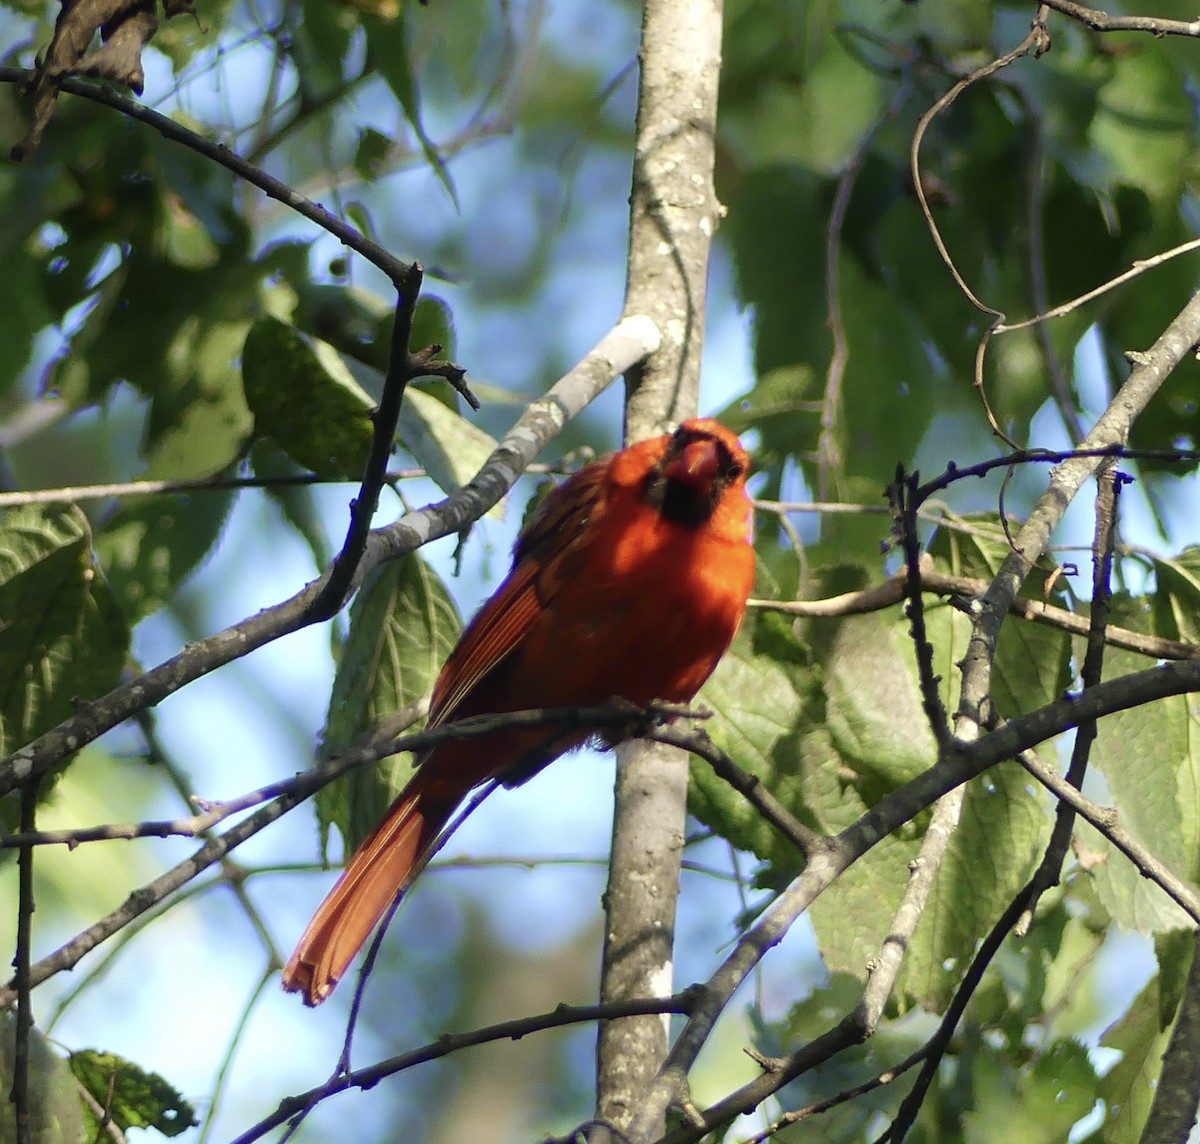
point(548, 554)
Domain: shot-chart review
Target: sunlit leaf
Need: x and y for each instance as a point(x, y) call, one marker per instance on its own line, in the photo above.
point(56, 1111)
point(403, 624)
point(130, 1095)
point(449, 446)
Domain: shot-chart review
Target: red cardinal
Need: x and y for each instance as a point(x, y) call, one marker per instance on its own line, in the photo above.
point(630, 580)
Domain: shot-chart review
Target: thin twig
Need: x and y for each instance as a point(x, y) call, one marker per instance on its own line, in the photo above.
point(451, 1042)
point(879, 597)
point(218, 153)
point(1138, 268)
point(902, 495)
point(22, 978)
point(1037, 42)
point(863, 1020)
point(1102, 22)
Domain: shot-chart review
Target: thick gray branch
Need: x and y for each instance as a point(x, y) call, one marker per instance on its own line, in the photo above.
point(673, 213)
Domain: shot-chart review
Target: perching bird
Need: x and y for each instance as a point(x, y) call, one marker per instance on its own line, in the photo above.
point(629, 581)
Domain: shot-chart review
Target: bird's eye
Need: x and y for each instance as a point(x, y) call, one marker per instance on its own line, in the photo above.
point(735, 470)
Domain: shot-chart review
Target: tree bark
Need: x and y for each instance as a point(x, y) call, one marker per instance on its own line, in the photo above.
point(673, 215)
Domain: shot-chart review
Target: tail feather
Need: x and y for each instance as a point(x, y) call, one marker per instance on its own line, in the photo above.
point(381, 868)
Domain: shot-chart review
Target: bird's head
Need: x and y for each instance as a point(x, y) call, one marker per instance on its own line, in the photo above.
point(701, 462)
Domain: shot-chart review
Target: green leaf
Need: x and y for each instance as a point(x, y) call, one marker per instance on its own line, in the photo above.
point(1150, 758)
point(448, 446)
point(403, 624)
point(1035, 1106)
point(305, 399)
point(829, 747)
point(433, 325)
point(56, 1112)
point(776, 233)
point(387, 41)
point(882, 736)
point(759, 720)
point(1177, 598)
point(132, 1097)
point(370, 156)
point(64, 636)
point(1144, 123)
point(151, 544)
point(1128, 1087)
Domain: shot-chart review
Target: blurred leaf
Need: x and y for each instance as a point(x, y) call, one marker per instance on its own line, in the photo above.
point(323, 40)
point(1145, 122)
point(371, 154)
point(132, 1097)
point(306, 401)
point(433, 325)
point(388, 43)
point(403, 624)
point(23, 310)
point(65, 639)
point(56, 1112)
point(1127, 1089)
point(451, 448)
point(777, 234)
point(298, 503)
point(1039, 1105)
point(151, 544)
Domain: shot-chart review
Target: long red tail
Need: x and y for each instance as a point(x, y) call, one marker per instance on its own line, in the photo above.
point(380, 869)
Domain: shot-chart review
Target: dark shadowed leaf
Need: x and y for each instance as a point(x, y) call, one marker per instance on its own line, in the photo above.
point(64, 637)
point(149, 545)
point(304, 399)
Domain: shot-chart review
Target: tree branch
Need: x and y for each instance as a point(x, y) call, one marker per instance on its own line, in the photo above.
point(627, 343)
point(451, 1042)
point(1102, 22)
point(673, 214)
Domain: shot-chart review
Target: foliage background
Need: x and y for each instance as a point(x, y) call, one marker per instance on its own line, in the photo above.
point(493, 143)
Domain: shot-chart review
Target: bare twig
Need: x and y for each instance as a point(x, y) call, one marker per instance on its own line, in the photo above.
point(902, 495)
point(694, 740)
point(961, 762)
point(403, 365)
point(73, 494)
point(1037, 42)
point(1109, 433)
point(1138, 268)
point(863, 1020)
point(1019, 914)
point(879, 597)
point(22, 978)
point(451, 1042)
point(1102, 22)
